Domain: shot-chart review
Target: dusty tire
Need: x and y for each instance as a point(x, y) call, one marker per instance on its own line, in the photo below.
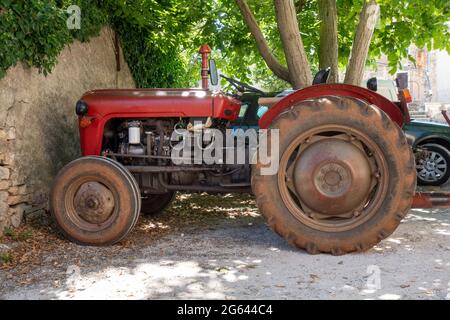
point(155, 204)
point(94, 201)
point(130, 177)
point(435, 170)
point(319, 213)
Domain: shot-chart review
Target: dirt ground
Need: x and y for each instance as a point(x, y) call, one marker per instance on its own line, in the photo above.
point(210, 247)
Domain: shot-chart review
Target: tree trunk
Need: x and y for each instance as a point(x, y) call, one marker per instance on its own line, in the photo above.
point(361, 43)
point(328, 48)
point(297, 61)
point(277, 68)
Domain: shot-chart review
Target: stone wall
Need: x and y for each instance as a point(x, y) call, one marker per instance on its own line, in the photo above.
point(38, 126)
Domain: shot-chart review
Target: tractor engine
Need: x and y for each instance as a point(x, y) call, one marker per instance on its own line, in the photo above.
point(146, 148)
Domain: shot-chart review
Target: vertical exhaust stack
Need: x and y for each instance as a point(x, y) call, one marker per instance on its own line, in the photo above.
point(205, 51)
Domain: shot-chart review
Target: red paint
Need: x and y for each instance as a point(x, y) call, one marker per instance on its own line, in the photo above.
point(150, 103)
point(428, 200)
point(205, 50)
point(343, 90)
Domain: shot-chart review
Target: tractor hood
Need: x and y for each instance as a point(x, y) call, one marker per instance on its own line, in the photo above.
point(140, 103)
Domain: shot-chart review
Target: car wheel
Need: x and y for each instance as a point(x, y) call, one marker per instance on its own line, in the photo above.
point(433, 169)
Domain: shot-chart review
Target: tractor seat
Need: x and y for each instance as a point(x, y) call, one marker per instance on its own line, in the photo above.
point(322, 76)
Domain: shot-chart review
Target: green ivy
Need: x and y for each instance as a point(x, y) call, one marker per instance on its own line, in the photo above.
point(35, 32)
point(150, 66)
point(93, 15)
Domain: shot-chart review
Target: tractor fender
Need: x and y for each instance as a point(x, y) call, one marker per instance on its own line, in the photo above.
point(343, 90)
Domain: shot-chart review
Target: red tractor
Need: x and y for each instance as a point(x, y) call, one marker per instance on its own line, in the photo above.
point(346, 175)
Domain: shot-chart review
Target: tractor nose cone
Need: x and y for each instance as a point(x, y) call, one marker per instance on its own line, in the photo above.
point(333, 177)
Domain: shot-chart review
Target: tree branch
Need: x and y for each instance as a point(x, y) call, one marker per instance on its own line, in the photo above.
point(297, 61)
point(328, 48)
point(361, 43)
point(272, 62)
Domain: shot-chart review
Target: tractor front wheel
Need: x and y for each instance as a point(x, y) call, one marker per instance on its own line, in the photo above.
point(95, 201)
point(346, 176)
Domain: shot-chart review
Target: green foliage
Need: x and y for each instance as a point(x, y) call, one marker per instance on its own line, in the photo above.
point(422, 22)
point(35, 31)
point(31, 31)
point(154, 35)
point(13, 235)
point(94, 17)
point(160, 38)
point(402, 23)
point(234, 47)
point(151, 67)
point(6, 258)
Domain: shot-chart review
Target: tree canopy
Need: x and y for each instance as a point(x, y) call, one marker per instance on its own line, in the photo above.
point(400, 24)
point(161, 37)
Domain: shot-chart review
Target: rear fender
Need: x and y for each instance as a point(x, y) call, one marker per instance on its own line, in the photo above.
point(343, 90)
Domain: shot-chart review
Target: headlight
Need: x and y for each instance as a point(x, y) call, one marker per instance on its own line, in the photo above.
point(81, 108)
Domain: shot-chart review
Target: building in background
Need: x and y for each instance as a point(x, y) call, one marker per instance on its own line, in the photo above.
point(440, 76)
point(428, 79)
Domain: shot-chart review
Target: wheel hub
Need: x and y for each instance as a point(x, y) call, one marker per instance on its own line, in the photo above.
point(333, 177)
point(94, 202)
point(431, 166)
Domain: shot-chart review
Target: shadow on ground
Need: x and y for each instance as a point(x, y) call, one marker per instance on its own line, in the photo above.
point(210, 247)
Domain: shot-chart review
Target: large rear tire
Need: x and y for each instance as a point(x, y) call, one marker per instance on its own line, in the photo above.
point(346, 176)
point(95, 201)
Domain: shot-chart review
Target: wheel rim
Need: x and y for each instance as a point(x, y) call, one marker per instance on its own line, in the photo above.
point(91, 203)
point(333, 178)
point(433, 167)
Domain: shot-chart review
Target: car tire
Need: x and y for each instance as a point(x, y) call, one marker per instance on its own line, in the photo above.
point(434, 169)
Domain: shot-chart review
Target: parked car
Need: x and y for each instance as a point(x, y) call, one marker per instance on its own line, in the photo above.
point(431, 145)
point(429, 140)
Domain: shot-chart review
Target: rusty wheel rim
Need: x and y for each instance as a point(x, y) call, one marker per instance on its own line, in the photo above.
point(91, 203)
point(332, 178)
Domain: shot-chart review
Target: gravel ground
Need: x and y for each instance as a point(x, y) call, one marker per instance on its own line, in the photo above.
point(235, 256)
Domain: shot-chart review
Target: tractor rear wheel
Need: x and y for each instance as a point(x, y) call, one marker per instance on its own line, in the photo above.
point(155, 204)
point(346, 176)
point(95, 201)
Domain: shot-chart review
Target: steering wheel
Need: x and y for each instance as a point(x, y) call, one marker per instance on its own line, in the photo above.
point(240, 86)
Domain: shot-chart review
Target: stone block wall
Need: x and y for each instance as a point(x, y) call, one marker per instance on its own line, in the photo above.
point(38, 125)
